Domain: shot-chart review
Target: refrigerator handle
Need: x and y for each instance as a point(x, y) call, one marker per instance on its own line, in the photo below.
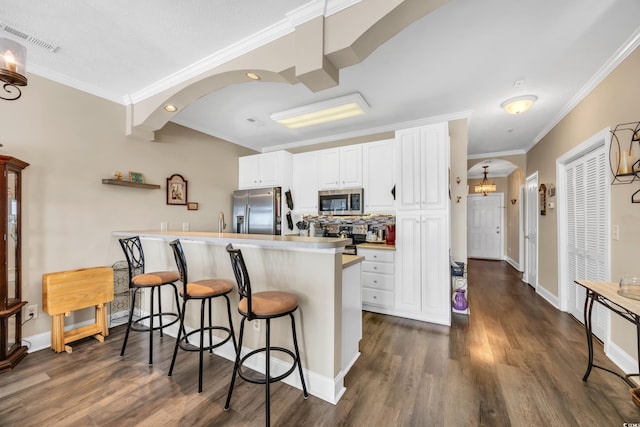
point(247, 212)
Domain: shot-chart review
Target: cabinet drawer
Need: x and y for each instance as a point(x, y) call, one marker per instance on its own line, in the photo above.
point(377, 267)
point(376, 297)
point(376, 255)
point(378, 281)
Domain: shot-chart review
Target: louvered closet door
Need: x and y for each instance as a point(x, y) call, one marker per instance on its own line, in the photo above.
point(586, 225)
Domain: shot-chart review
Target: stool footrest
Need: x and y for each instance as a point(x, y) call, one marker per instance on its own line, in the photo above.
point(139, 327)
point(258, 378)
point(187, 346)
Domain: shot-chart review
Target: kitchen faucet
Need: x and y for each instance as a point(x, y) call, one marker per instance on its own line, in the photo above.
point(221, 224)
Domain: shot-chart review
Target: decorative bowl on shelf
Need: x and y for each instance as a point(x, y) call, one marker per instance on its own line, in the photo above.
point(630, 287)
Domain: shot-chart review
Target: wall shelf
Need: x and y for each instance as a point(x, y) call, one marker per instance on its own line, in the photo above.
point(130, 184)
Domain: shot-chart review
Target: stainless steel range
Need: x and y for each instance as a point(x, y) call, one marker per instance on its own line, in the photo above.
point(356, 232)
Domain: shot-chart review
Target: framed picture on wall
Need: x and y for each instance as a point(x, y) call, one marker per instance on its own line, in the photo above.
point(176, 190)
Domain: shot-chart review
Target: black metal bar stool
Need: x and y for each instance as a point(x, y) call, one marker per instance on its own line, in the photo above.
point(204, 291)
point(139, 280)
point(262, 305)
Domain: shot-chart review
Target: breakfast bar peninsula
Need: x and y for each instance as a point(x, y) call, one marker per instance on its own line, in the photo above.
point(309, 267)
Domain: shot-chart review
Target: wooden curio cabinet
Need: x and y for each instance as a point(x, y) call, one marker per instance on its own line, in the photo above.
point(11, 303)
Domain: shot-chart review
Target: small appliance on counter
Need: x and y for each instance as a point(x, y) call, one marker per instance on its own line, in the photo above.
point(257, 211)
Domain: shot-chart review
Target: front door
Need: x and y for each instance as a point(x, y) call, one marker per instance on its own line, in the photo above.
point(484, 226)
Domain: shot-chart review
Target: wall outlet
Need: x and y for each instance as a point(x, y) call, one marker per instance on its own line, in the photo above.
point(256, 325)
point(31, 312)
point(185, 226)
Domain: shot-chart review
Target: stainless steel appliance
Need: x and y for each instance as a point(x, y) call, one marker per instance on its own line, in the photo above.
point(341, 202)
point(257, 211)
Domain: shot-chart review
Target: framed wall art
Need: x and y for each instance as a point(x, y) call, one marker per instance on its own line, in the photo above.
point(136, 177)
point(192, 206)
point(176, 190)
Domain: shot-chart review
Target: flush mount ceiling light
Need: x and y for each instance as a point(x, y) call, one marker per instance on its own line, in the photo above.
point(252, 76)
point(322, 112)
point(485, 187)
point(170, 108)
point(13, 59)
point(519, 104)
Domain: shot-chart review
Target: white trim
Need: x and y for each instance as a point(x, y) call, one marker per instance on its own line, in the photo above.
point(496, 154)
point(623, 360)
point(502, 207)
point(620, 55)
point(513, 263)
point(521, 229)
point(544, 293)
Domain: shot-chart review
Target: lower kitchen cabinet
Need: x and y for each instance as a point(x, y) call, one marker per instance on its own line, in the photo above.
point(377, 279)
point(422, 286)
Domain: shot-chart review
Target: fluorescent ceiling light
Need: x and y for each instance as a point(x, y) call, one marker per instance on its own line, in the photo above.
point(322, 112)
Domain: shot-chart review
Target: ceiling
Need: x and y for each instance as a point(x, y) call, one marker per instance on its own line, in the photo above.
point(461, 60)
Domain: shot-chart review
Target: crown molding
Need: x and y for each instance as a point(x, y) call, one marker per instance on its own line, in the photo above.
point(495, 154)
point(611, 64)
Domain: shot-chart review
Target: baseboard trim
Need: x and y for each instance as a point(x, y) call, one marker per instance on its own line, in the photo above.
point(513, 263)
point(544, 293)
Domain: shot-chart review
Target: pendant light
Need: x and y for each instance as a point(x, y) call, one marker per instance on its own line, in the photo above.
point(485, 187)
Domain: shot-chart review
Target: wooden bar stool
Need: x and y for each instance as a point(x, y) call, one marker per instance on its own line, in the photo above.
point(139, 280)
point(204, 291)
point(262, 305)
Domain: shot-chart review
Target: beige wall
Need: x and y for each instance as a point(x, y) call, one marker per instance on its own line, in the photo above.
point(72, 140)
point(614, 101)
point(459, 141)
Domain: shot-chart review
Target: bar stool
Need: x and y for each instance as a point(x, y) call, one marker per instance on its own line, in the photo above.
point(262, 305)
point(205, 291)
point(139, 280)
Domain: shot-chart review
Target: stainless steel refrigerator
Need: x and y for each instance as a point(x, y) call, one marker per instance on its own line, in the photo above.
point(257, 211)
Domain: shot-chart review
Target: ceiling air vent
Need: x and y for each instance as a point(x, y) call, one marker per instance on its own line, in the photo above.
point(31, 39)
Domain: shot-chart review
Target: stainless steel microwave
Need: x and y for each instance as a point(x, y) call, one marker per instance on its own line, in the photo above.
point(341, 202)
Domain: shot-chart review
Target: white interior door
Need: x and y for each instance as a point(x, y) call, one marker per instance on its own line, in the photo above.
point(484, 226)
point(530, 275)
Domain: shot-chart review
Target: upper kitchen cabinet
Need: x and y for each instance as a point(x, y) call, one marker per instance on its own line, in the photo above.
point(423, 162)
point(305, 183)
point(340, 167)
point(379, 176)
point(265, 170)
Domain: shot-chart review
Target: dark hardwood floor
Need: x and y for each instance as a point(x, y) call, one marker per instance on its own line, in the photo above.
point(515, 361)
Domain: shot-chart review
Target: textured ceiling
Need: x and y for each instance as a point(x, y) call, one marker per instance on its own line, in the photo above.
point(461, 59)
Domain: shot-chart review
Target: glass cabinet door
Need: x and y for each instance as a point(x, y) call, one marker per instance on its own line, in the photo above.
point(11, 239)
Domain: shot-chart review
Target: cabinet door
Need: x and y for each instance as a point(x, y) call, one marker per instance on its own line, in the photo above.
point(305, 183)
point(328, 169)
point(435, 275)
point(248, 175)
point(379, 176)
point(409, 260)
point(434, 166)
point(408, 188)
point(351, 166)
point(269, 169)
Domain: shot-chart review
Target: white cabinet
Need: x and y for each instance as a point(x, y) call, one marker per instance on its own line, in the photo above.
point(423, 162)
point(340, 167)
point(423, 277)
point(379, 176)
point(265, 170)
point(305, 183)
point(377, 279)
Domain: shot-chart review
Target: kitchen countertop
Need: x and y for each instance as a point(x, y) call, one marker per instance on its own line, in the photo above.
point(382, 246)
point(349, 260)
point(290, 242)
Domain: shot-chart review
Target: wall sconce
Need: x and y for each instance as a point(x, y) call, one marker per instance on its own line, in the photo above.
point(13, 58)
point(513, 201)
point(458, 180)
point(458, 199)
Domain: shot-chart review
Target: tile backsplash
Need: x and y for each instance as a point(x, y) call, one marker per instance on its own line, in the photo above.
point(373, 221)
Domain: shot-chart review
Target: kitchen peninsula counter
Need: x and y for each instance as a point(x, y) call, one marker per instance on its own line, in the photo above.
point(310, 267)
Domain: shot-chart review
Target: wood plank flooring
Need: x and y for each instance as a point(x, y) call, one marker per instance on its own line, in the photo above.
point(516, 361)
